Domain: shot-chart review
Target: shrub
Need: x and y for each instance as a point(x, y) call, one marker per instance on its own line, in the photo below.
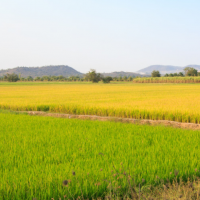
point(107, 79)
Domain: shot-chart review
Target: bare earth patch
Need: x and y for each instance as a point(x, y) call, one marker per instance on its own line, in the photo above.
point(116, 119)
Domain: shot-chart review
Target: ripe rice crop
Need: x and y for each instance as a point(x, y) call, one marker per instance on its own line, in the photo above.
point(39, 153)
point(175, 102)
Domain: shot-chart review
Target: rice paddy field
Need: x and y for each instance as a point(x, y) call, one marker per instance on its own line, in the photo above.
point(39, 153)
point(163, 101)
point(55, 158)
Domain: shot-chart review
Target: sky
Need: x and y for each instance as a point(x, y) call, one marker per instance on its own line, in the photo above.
point(106, 35)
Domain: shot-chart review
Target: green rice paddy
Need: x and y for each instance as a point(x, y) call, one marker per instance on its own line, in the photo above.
point(39, 153)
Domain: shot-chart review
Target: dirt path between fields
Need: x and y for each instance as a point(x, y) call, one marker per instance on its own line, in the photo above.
point(117, 119)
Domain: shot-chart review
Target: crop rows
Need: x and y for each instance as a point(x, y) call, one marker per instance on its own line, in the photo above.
point(39, 153)
point(195, 79)
point(175, 102)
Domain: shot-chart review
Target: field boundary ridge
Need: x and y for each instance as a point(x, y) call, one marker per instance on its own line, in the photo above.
point(174, 124)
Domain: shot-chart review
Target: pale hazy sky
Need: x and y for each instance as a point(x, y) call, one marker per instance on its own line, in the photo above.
point(106, 35)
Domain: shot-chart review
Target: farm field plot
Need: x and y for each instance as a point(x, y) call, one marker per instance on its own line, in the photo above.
point(38, 153)
point(187, 79)
point(176, 102)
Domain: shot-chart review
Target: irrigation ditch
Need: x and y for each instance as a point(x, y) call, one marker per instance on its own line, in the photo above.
point(174, 124)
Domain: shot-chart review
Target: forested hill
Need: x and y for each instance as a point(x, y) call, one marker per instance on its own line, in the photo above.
point(52, 70)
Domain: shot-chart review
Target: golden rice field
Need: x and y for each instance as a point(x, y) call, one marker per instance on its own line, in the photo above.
point(165, 101)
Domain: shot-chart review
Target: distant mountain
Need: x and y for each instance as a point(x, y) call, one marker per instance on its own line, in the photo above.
point(52, 70)
point(122, 74)
point(66, 71)
point(163, 69)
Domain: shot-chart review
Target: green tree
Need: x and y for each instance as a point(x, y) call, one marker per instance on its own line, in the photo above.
point(115, 79)
point(189, 71)
point(155, 73)
point(166, 75)
point(37, 78)
point(46, 78)
point(107, 79)
point(125, 78)
point(61, 78)
point(29, 78)
point(130, 78)
point(11, 77)
point(54, 78)
point(180, 74)
point(175, 74)
point(93, 76)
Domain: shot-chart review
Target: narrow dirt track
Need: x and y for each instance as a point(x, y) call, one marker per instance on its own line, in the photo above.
point(117, 119)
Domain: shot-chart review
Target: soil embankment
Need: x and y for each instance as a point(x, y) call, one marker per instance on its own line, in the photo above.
point(117, 119)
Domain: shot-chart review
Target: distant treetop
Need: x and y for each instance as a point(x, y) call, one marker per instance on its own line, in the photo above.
point(155, 73)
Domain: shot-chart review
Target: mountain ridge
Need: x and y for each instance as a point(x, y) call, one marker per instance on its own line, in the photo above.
point(51, 70)
point(57, 70)
point(66, 71)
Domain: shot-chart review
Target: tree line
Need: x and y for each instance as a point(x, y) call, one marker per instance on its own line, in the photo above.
point(92, 76)
point(95, 77)
point(189, 71)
